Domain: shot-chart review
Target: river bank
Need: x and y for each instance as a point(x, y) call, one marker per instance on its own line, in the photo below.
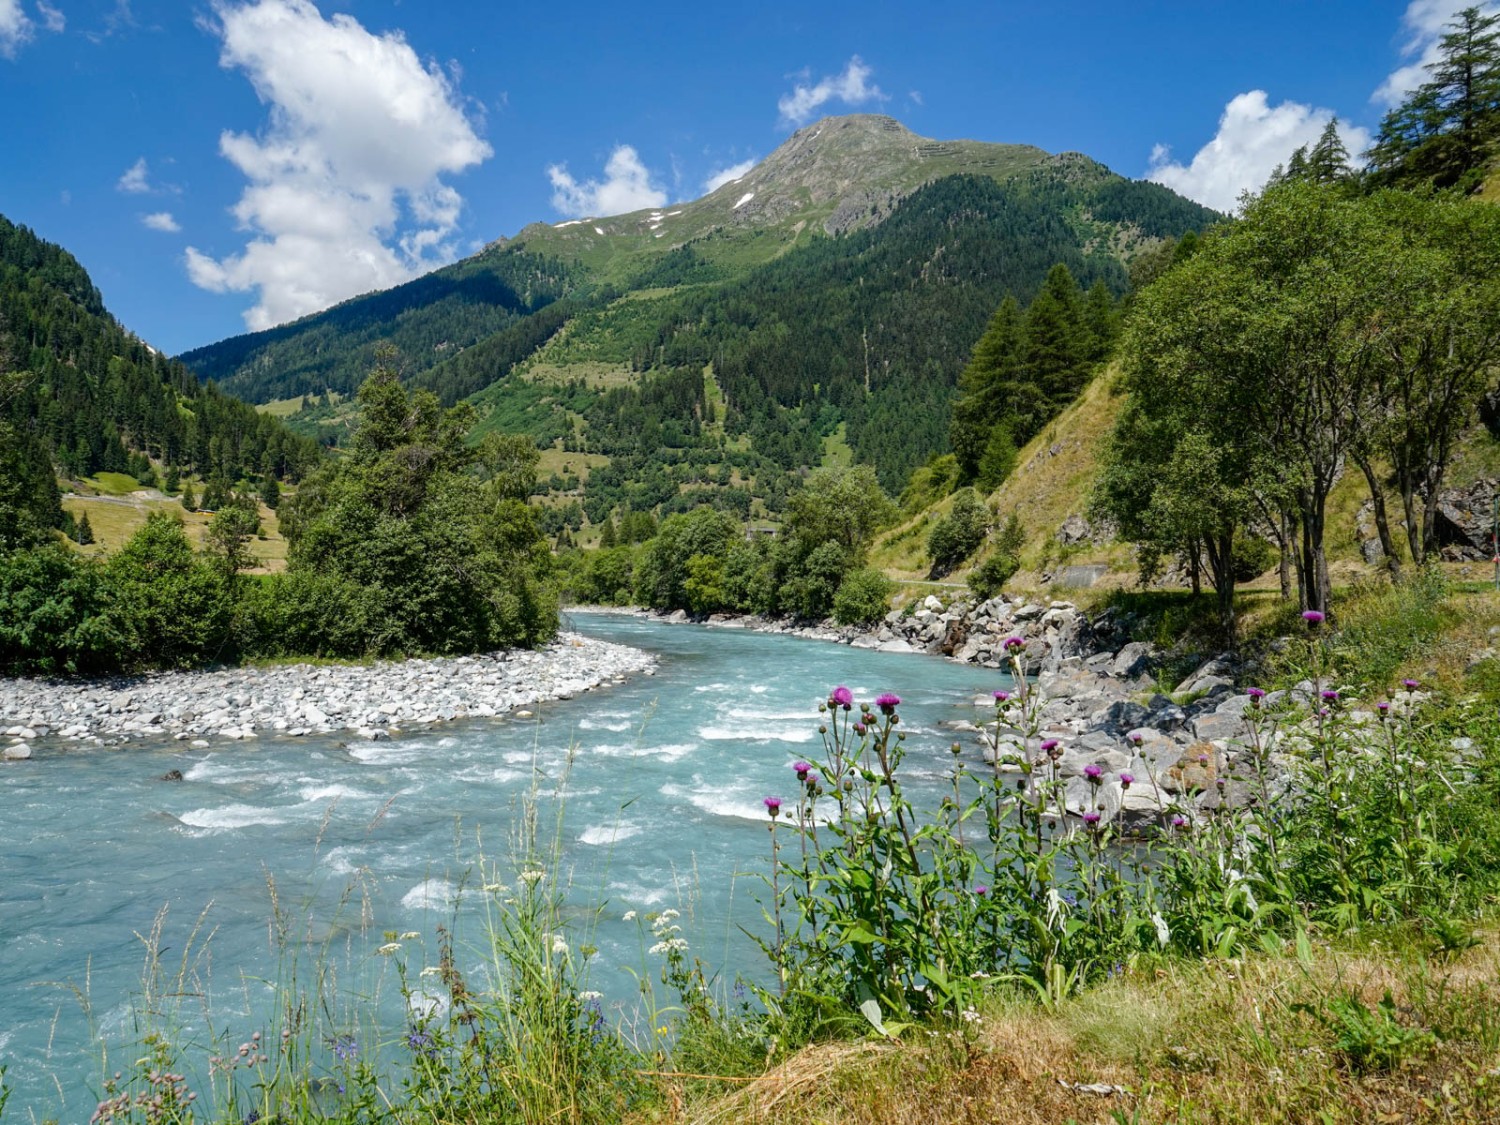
point(1186, 744)
point(370, 701)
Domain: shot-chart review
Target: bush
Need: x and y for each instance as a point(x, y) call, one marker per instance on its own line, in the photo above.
point(863, 598)
point(989, 577)
point(51, 613)
point(958, 534)
point(1253, 556)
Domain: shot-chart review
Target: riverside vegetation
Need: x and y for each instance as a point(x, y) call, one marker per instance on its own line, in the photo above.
point(1324, 954)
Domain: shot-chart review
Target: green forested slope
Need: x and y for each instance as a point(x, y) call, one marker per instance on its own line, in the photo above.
point(81, 393)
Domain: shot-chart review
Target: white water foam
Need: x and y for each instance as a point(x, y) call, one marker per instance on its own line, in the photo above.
point(597, 835)
point(757, 733)
point(600, 724)
point(430, 894)
point(331, 793)
point(232, 816)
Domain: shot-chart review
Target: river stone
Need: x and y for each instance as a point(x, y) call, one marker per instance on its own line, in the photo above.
point(1220, 726)
point(1194, 772)
point(16, 752)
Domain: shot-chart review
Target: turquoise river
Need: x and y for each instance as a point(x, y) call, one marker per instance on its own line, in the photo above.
point(661, 780)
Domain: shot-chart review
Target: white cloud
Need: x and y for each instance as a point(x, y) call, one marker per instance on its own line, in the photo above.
point(52, 18)
point(345, 190)
point(727, 175)
point(162, 221)
point(626, 187)
point(852, 88)
point(1253, 138)
point(916, 97)
point(1424, 23)
point(15, 28)
point(136, 179)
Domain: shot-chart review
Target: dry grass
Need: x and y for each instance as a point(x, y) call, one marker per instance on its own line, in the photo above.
point(1222, 1042)
point(114, 519)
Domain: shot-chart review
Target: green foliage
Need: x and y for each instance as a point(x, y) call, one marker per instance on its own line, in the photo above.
point(1252, 557)
point(53, 613)
point(1444, 133)
point(664, 572)
point(989, 577)
point(94, 398)
point(449, 562)
point(863, 597)
point(1371, 1039)
point(958, 534)
point(84, 532)
point(232, 528)
point(430, 319)
point(929, 484)
point(171, 607)
point(1025, 369)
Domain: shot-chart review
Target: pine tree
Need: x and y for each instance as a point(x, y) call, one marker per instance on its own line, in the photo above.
point(986, 386)
point(1447, 129)
point(189, 499)
point(1057, 351)
point(1328, 162)
point(85, 531)
point(607, 537)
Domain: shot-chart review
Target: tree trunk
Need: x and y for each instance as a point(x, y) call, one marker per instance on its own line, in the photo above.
point(1382, 521)
point(1413, 526)
point(1220, 551)
point(1193, 568)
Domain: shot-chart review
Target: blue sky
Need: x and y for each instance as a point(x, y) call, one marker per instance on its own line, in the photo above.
point(225, 164)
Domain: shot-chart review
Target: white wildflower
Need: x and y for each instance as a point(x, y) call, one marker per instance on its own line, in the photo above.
point(388, 948)
point(970, 1015)
point(496, 888)
point(533, 876)
point(671, 945)
point(669, 915)
point(431, 971)
point(589, 997)
point(628, 916)
point(411, 935)
point(559, 944)
point(1163, 934)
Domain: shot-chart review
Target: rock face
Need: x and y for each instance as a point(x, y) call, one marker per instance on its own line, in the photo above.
point(371, 701)
point(1465, 521)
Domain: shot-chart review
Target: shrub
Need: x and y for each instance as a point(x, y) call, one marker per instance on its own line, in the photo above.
point(958, 534)
point(862, 598)
point(1253, 556)
point(989, 577)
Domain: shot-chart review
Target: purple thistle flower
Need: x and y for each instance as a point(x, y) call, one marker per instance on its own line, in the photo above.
point(801, 769)
point(888, 702)
point(1094, 773)
point(1384, 708)
point(981, 890)
point(1136, 738)
point(1049, 745)
point(1179, 822)
point(1256, 694)
point(1001, 696)
point(773, 805)
point(1127, 780)
point(1331, 696)
point(1312, 617)
point(1410, 685)
point(1013, 644)
point(842, 697)
point(859, 730)
point(1091, 818)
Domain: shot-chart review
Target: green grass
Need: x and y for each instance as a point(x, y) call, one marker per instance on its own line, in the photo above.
point(113, 484)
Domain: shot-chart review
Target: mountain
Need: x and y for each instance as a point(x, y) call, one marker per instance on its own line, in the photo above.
point(828, 297)
point(80, 393)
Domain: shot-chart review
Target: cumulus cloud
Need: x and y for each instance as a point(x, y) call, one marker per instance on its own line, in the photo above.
point(346, 191)
point(52, 18)
point(727, 175)
point(162, 221)
point(1253, 138)
point(16, 27)
point(853, 87)
point(1423, 24)
point(626, 187)
point(136, 180)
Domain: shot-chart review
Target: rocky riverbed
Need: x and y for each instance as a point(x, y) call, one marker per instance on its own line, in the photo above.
point(1185, 745)
point(371, 701)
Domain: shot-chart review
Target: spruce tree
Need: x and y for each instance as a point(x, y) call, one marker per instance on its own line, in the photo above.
point(85, 531)
point(1446, 130)
point(1057, 350)
point(188, 498)
point(987, 385)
